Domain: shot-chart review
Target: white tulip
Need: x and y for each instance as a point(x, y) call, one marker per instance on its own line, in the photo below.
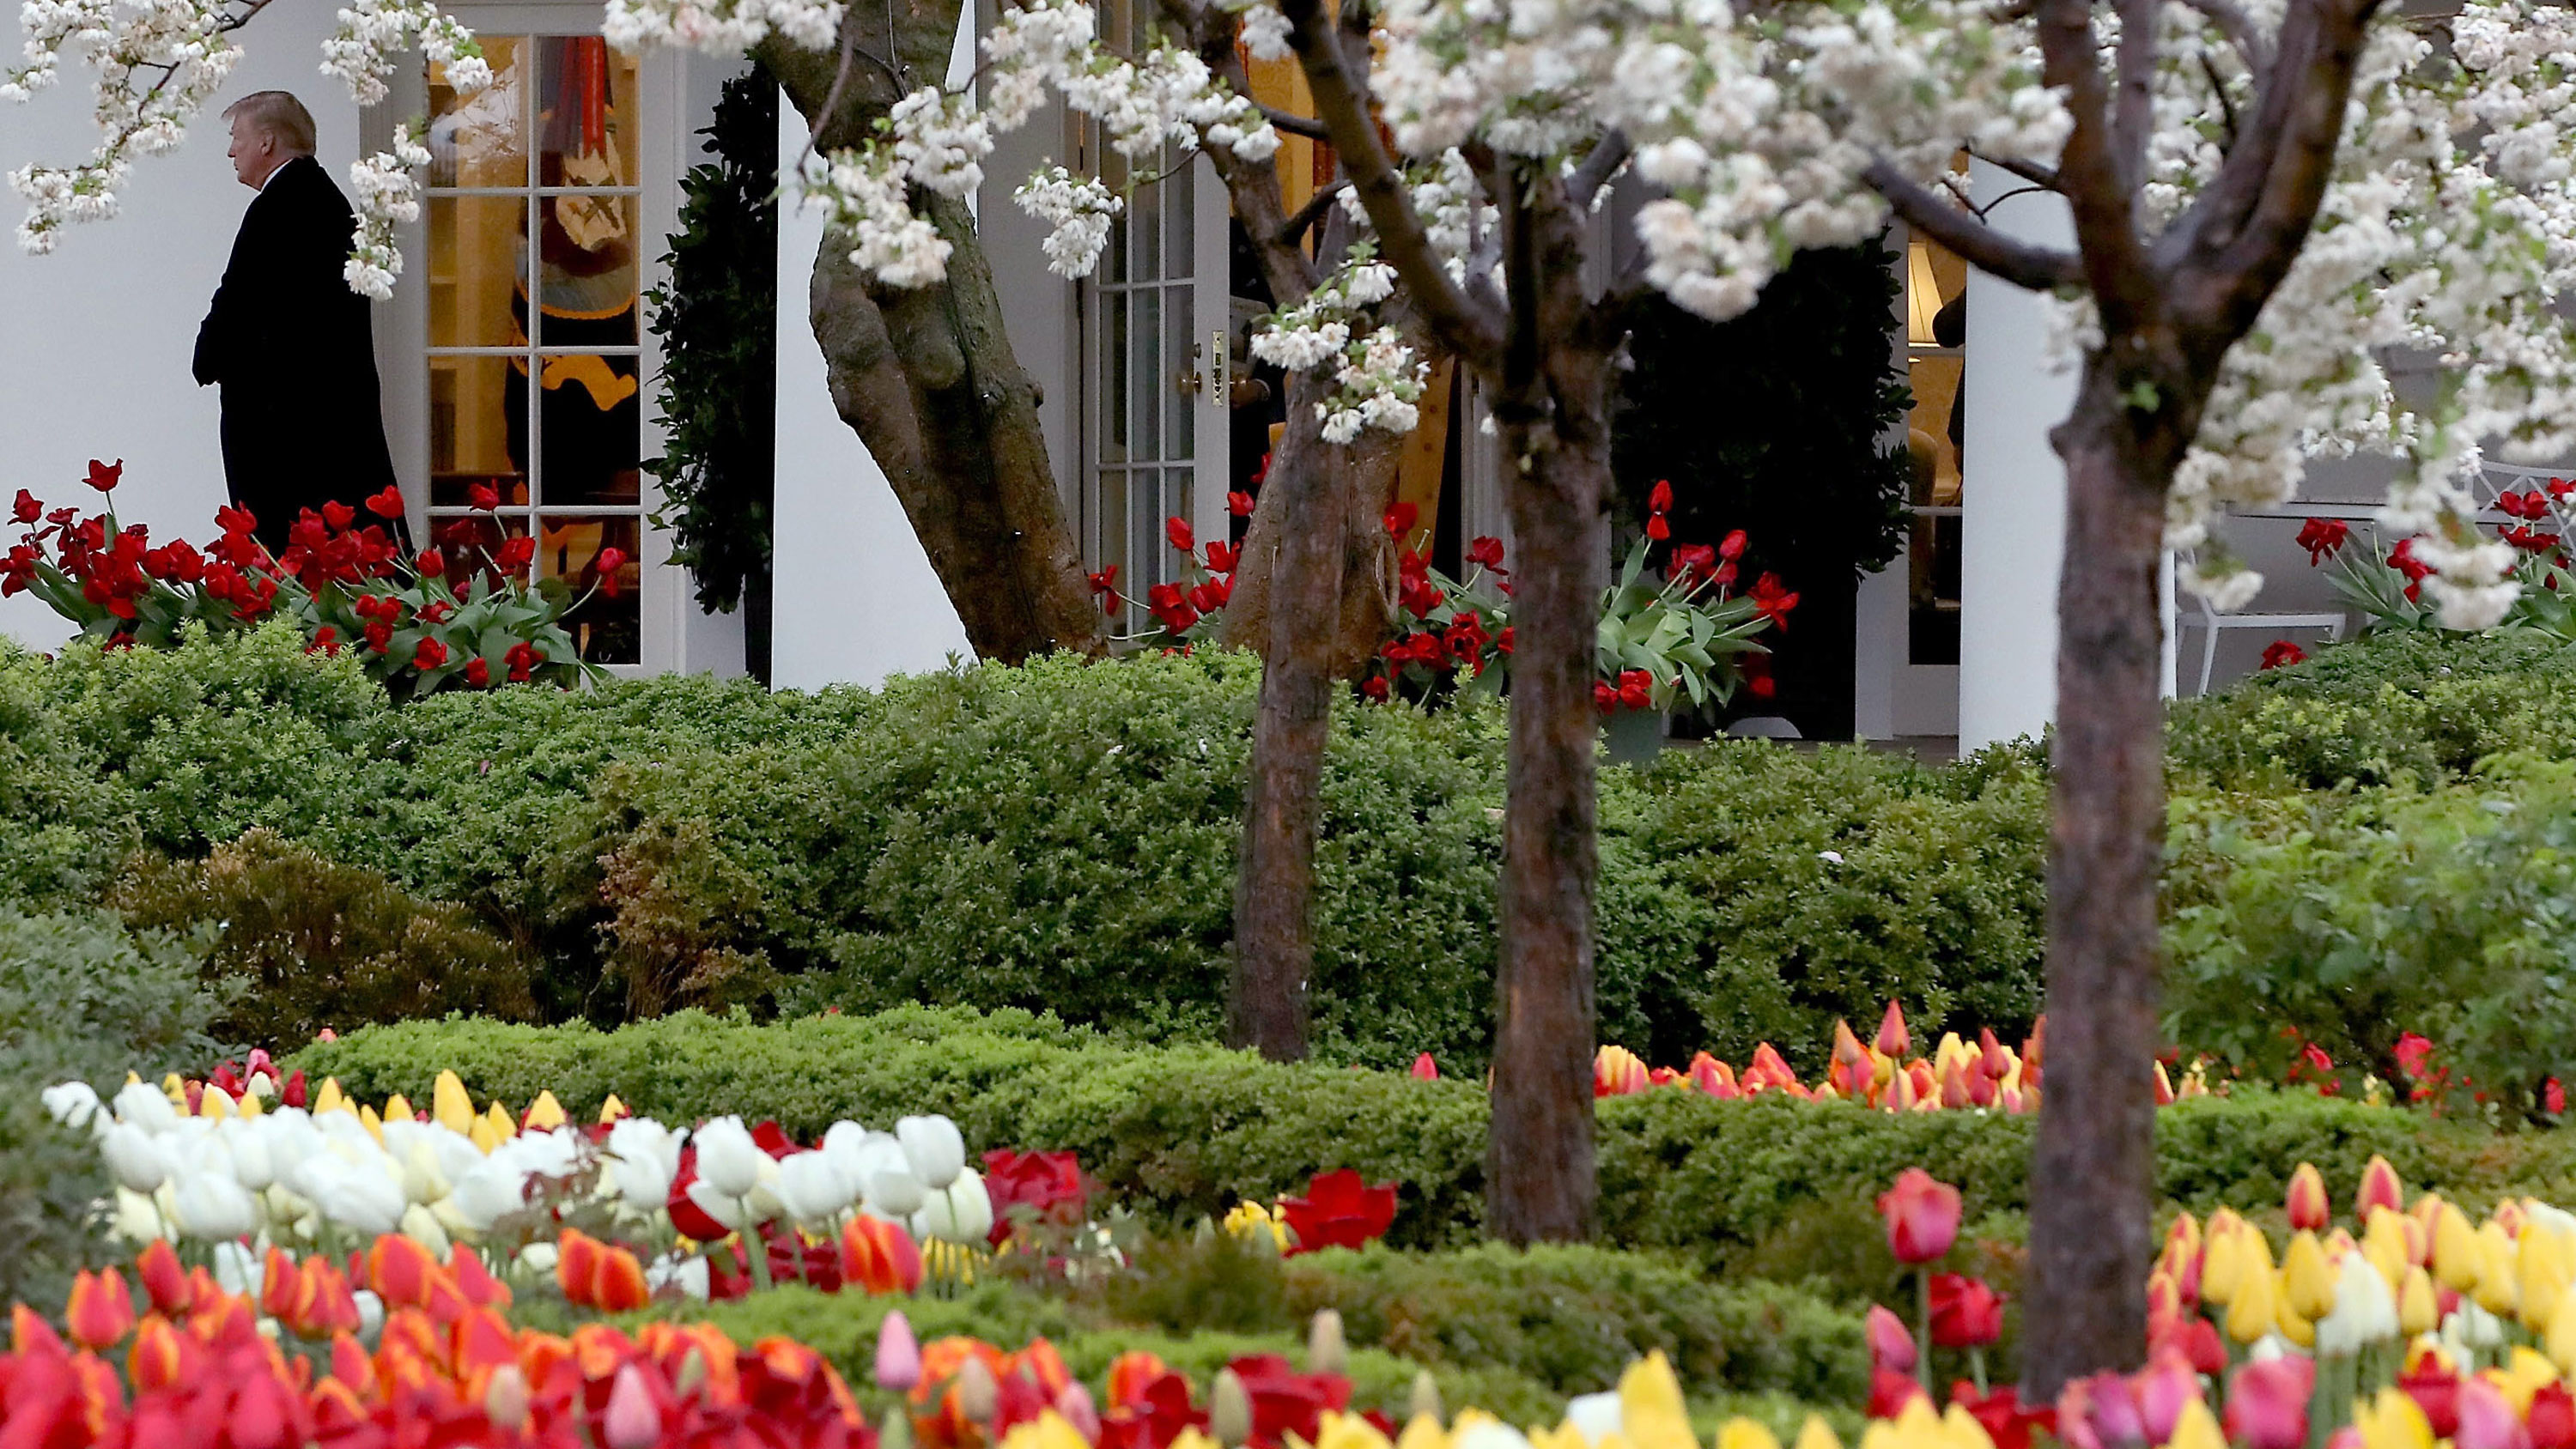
point(1489, 1434)
point(960, 1213)
point(421, 1226)
point(138, 1217)
point(134, 1157)
point(371, 1314)
point(212, 1206)
point(422, 1182)
point(727, 1157)
point(1598, 1416)
point(690, 1273)
point(487, 1194)
point(73, 1104)
point(885, 1175)
point(762, 1203)
point(147, 1107)
point(237, 1270)
point(934, 1148)
point(643, 1157)
point(538, 1257)
point(358, 1198)
point(812, 1189)
point(253, 1168)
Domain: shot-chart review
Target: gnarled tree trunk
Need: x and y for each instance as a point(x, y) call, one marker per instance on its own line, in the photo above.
point(926, 376)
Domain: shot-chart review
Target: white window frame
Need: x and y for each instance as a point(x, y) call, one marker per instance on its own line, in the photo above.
point(664, 603)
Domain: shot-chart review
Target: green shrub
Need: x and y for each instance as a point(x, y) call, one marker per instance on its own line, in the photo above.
point(64, 825)
point(1182, 1132)
point(317, 945)
point(80, 1000)
point(2408, 708)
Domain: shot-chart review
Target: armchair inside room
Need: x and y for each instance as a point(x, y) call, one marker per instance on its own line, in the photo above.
point(2195, 612)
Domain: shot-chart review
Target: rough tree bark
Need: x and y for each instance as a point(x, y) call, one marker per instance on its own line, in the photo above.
point(2171, 304)
point(926, 376)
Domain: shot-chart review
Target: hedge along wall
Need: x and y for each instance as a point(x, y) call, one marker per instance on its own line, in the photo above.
point(1057, 837)
point(1190, 1130)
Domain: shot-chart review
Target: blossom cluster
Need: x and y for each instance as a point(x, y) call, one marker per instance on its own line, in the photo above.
point(387, 194)
point(1378, 378)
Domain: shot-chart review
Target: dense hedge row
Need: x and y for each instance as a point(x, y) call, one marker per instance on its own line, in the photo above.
point(1185, 1131)
point(1057, 837)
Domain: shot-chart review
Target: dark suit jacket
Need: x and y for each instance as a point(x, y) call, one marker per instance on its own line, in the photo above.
point(293, 349)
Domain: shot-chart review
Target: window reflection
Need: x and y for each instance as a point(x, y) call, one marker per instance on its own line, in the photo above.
point(1936, 311)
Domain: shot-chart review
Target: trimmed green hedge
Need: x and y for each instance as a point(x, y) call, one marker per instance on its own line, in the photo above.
point(1187, 1131)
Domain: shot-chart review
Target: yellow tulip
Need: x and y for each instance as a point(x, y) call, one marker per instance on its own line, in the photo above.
point(175, 1087)
point(2222, 1266)
point(2196, 1428)
point(1880, 1434)
point(2384, 1244)
point(330, 1098)
point(611, 1110)
point(479, 1132)
point(1563, 1436)
point(2418, 1307)
point(374, 1124)
point(1816, 1434)
point(2290, 1325)
point(215, 1103)
point(1916, 1426)
point(2392, 1421)
point(1423, 1431)
point(1334, 1431)
point(2540, 1265)
point(2498, 1287)
point(1651, 1412)
point(250, 1106)
point(2252, 1313)
point(1960, 1430)
point(2307, 1280)
point(2522, 1375)
point(1736, 1433)
point(545, 1114)
point(2456, 1256)
point(397, 1105)
point(2560, 1338)
point(449, 1106)
point(504, 1126)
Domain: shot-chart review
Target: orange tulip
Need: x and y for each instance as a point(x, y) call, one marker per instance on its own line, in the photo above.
point(351, 1366)
point(879, 1256)
point(617, 1284)
point(1954, 1085)
point(479, 1287)
point(100, 1313)
point(1042, 1364)
point(283, 1288)
point(577, 1265)
point(1713, 1076)
point(159, 1357)
point(2379, 1188)
point(2310, 1208)
point(1768, 1065)
point(1129, 1373)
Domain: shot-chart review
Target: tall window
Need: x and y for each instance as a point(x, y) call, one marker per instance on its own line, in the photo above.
point(534, 334)
point(1936, 320)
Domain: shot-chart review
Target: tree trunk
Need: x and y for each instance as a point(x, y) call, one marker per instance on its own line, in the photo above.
point(1539, 1179)
point(2093, 1169)
point(1303, 556)
point(1365, 605)
point(927, 379)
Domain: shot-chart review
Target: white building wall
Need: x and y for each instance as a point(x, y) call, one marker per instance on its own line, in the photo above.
point(2013, 533)
point(94, 361)
point(857, 599)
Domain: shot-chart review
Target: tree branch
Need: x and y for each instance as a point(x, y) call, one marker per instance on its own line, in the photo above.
point(2115, 262)
point(2135, 116)
point(1253, 186)
point(1292, 232)
point(2241, 33)
point(1469, 330)
point(2041, 269)
point(1296, 125)
point(1599, 164)
point(2043, 177)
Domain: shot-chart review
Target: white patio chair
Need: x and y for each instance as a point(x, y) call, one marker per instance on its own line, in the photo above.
point(2214, 623)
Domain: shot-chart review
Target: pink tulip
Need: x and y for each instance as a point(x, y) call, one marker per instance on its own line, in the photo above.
point(631, 1422)
point(1891, 1346)
point(898, 1354)
point(1076, 1407)
point(2487, 1421)
point(1922, 1217)
point(2164, 1389)
point(1425, 1069)
point(2267, 1403)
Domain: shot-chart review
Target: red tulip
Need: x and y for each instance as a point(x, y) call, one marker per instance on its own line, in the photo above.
point(2379, 1189)
point(1286, 1402)
point(400, 1271)
point(159, 1357)
point(1239, 504)
point(103, 476)
point(100, 1312)
point(2552, 1419)
point(1339, 1211)
point(2436, 1391)
point(1890, 1344)
point(1966, 1313)
point(1048, 1184)
point(2002, 1415)
point(387, 504)
point(1177, 532)
point(1890, 1390)
point(879, 1256)
point(1922, 1217)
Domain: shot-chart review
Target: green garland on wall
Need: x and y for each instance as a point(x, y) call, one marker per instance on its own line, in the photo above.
point(717, 319)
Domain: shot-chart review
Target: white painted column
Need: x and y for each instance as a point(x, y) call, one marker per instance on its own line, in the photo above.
point(856, 597)
point(2014, 531)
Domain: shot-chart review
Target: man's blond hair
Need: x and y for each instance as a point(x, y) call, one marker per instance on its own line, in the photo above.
point(278, 115)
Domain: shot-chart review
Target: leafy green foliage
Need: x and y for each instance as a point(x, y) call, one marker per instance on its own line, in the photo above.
point(718, 321)
point(2348, 921)
point(313, 944)
point(80, 1000)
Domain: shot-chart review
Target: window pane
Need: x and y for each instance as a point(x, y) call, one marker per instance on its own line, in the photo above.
point(586, 121)
point(605, 630)
point(1179, 212)
point(586, 279)
point(1145, 374)
point(1147, 203)
point(481, 139)
point(1180, 432)
point(472, 542)
point(589, 428)
point(474, 246)
point(1113, 377)
point(1111, 531)
point(1113, 258)
point(478, 420)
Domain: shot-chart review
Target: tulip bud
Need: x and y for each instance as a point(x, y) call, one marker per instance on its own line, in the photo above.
point(2309, 1207)
point(2419, 1310)
point(2559, 1342)
point(2308, 1281)
point(631, 1421)
point(1816, 1434)
point(1892, 1038)
point(898, 1354)
point(505, 1398)
point(1325, 1351)
point(978, 1396)
point(933, 1148)
point(2499, 1287)
point(2251, 1312)
point(544, 1114)
point(2456, 1255)
point(1229, 1410)
point(1074, 1403)
point(2380, 1188)
point(1426, 1398)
